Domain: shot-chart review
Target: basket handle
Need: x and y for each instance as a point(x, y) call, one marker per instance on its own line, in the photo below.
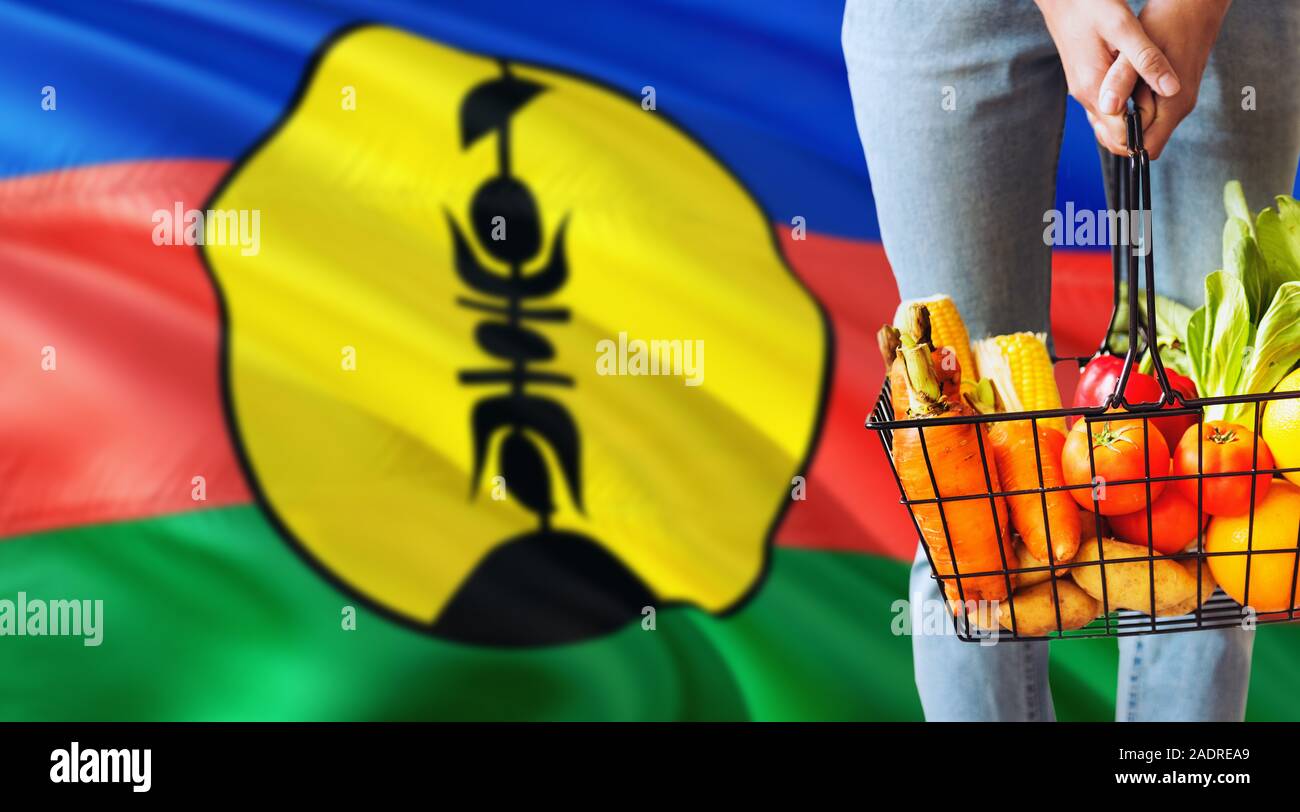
point(1133, 195)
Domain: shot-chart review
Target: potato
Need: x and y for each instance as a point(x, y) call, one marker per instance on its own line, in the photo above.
point(1128, 584)
point(1036, 610)
point(984, 616)
point(1028, 579)
point(1027, 560)
point(1207, 589)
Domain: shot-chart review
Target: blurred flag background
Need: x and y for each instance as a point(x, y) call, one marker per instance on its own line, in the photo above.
point(181, 435)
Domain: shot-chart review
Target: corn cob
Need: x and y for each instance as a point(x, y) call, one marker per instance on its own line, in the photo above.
point(1021, 370)
point(946, 329)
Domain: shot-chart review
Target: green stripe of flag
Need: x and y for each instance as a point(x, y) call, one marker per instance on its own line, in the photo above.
point(208, 615)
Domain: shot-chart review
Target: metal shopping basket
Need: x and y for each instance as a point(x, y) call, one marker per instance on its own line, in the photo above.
point(1215, 610)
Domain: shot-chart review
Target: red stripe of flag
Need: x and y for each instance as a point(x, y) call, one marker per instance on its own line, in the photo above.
point(132, 411)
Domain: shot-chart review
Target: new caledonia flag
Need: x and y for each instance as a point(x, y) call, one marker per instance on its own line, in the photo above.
point(327, 366)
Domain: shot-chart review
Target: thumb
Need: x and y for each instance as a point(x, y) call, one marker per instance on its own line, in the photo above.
point(1150, 62)
point(1145, 101)
point(1156, 129)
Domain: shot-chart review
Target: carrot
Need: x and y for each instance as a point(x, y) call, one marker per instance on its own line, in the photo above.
point(1013, 447)
point(949, 384)
point(977, 528)
point(949, 374)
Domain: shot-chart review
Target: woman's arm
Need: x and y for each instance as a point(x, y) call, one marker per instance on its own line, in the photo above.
point(1091, 38)
point(1186, 30)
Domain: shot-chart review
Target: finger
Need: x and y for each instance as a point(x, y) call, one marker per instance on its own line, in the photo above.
point(1110, 132)
point(1145, 101)
point(1159, 119)
point(1156, 137)
point(1109, 139)
point(1117, 86)
point(1150, 62)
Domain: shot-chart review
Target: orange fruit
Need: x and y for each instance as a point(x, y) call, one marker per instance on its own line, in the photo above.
point(1277, 518)
point(1280, 426)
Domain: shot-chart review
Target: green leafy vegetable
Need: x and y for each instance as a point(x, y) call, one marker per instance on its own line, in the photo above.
point(1171, 327)
point(1246, 337)
point(1278, 233)
point(1196, 354)
point(1242, 259)
point(1171, 316)
point(1226, 337)
point(1234, 203)
point(1277, 345)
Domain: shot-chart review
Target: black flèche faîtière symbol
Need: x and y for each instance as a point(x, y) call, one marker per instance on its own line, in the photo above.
point(505, 202)
point(547, 585)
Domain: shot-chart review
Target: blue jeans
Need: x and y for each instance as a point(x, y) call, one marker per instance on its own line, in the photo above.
point(961, 189)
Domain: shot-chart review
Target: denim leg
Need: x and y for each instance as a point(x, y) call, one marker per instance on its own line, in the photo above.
point(959, 106)
point(1204, 675)
point(970, 682)
point(1184, 677)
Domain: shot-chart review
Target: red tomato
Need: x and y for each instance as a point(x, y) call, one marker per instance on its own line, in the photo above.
point(1121, 449)
point(1173, 428)
point(1098, 379)
point(1225, 447)
point(1173, 520)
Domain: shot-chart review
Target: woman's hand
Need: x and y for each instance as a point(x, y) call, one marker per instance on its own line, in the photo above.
point(1186, 31)
point(1093, 37)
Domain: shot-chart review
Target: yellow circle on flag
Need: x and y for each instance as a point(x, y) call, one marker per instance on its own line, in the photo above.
point(514, 357)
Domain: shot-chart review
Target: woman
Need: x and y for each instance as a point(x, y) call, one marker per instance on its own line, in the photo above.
point(960, 106)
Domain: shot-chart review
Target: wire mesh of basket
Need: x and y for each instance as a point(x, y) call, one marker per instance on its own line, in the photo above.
point(1126, 588)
